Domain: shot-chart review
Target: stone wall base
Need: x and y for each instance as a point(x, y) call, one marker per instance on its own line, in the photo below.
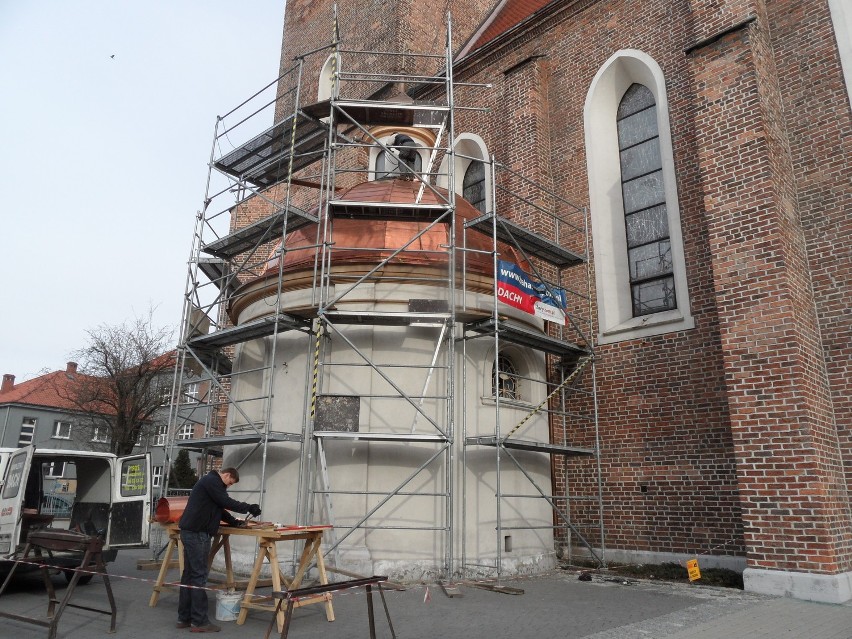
point(799, 585)
point(620, 556)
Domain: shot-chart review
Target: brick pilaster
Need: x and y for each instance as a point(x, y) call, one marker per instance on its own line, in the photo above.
point(790, 474)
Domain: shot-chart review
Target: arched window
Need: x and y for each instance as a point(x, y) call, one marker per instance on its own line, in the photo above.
point(387, 165)
point(473, 185)
point(505, 378)
point(471, 171)
point(328, 77)
point(640, 267)
point(649, 250)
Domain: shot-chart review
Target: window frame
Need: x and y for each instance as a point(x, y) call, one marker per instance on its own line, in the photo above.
point(503, 370)
point(192, 392)
point(49, 467)
point(56, 427)
point(156, 476)
point(393, 171)
point(185, 432)
point(33, 426)
point(161, 435)
point(614, 300)
point(640, 134)
point(528, 391)
point(481, 204)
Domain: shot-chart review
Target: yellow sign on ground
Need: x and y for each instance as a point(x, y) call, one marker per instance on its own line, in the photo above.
point(693, 570)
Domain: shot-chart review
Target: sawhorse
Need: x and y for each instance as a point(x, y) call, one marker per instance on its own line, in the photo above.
point(292, 598)
point(267, 539)
point(55, 540)
point(219, 542)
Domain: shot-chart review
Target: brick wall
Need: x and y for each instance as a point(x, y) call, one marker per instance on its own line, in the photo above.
point(733, 419)
point(819, 126)
point(669, 472)
point(729, 438)
point(789, 466)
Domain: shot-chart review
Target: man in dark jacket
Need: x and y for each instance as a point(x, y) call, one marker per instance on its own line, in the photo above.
point(407, 152)
point(204, 511)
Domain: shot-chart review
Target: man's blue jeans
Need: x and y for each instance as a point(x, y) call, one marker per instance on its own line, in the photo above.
point(192, 603)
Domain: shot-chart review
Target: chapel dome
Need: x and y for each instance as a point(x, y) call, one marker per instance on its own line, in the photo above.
point(362, 237)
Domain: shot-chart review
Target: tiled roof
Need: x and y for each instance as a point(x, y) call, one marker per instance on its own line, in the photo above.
point(55, 389)
point(51, 391)
point(506, 15)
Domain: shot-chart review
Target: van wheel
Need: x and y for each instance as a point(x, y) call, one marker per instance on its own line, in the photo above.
point(84, 579)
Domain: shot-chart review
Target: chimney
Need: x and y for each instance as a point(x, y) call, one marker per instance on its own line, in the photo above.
point(8, 383)
point(71, 368)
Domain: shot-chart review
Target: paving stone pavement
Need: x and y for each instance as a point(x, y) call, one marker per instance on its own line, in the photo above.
point(552, 606)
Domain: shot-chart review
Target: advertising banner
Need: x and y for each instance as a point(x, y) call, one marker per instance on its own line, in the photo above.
point(516, 288)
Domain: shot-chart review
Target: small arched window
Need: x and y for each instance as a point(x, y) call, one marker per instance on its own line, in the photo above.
point(471, 171)
point(473, 185)
point(649, 249)
point(387, 165)
point(328, 77)
point(505, 379)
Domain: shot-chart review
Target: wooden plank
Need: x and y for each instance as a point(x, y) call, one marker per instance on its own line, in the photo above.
point(148, 564)
point(506, 590)
point(451, 590)
point(387, 585)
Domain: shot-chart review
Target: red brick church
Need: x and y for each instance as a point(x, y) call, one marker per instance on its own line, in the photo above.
point(712, 143)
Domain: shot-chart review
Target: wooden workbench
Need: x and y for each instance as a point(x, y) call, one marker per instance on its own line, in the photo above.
point(267, 540)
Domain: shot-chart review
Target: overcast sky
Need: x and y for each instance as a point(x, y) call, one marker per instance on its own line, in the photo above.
point(107, 109)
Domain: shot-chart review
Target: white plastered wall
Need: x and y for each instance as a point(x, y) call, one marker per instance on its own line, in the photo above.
point(379, 467)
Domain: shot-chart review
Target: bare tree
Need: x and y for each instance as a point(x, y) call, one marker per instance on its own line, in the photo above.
point(125, 374)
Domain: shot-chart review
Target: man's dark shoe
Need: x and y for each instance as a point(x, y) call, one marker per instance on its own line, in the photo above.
point(208, 628)
point(182, 624)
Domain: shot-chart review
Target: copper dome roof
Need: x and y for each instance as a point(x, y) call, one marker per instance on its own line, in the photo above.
point(365, 234)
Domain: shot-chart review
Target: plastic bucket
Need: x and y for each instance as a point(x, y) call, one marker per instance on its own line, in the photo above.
point(227, 605)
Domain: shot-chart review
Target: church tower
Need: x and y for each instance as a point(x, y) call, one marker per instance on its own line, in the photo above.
point(378, 25)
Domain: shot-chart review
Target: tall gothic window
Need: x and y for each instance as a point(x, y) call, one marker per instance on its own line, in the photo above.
point(649, 250)
point(473, 186)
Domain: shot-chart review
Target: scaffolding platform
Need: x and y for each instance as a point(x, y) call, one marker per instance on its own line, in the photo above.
point(219, 272)
point(381, 437)
point(529, 241)
point(387, 318)
point(525, 337)
point(202, 443)
point(256, 329)
point(265, 159)
point(424, 212)
point(373, 113)
point(523, 444)
point(265, 230)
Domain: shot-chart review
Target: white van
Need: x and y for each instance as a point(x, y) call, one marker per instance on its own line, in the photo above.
point(112, 499)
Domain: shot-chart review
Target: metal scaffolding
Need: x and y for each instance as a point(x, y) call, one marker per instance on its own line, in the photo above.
point(289, 178)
